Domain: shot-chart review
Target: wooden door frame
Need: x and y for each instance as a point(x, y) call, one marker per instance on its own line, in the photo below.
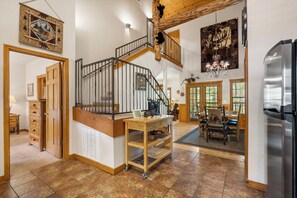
point(6, 91)
point(202, 84)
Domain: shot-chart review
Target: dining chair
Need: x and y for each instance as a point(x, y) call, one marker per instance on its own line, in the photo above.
point(233, 126)
point(174, 112)
point(216, 125)
point(202, 121)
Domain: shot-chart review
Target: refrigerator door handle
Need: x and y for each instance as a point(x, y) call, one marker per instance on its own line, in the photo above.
point(274, 114)
point(271, 109)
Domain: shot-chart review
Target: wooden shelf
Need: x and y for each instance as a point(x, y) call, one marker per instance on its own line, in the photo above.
point(156, 154)
point(140, 143)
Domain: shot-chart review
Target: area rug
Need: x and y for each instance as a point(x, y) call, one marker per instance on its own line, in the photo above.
point(192, 138)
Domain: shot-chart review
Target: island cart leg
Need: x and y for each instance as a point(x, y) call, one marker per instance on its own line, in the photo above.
point(126, 145)
point(145, 154)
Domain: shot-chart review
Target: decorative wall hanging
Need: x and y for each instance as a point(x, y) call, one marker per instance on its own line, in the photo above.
point(220, 39)
point(140, 82)
point(40, 30)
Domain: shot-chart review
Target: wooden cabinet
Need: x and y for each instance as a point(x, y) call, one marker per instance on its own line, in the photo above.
point(14, 122)
point(154, 149)
point(37, 126)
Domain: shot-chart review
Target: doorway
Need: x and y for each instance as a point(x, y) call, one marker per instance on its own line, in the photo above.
point(58, 147)
point(202, 94)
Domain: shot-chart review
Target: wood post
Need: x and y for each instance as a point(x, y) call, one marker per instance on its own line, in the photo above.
point(156, 20)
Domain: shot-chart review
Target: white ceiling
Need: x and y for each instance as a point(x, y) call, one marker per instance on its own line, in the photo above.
point(146, 7)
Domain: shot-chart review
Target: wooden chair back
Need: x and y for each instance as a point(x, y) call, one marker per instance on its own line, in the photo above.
point(214, 117)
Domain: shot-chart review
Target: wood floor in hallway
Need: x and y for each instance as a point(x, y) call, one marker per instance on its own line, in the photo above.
point(189, 173)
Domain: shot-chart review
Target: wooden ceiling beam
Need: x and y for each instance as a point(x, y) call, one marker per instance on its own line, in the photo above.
point(191, 11)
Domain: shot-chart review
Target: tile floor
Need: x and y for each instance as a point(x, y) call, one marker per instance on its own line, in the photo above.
point(187, 174)
point(192, 172)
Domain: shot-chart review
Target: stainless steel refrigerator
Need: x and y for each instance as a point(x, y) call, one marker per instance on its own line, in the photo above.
point(280, 110)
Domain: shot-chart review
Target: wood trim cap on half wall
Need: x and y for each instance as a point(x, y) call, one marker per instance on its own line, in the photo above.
point(112, 128)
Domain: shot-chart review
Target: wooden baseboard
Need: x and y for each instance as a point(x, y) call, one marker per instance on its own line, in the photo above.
point(97, 164)
point(2, 179)
point(257, 186)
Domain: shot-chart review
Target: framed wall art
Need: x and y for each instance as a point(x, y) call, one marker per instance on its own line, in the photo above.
point(220, 39)
point(140, 81)
point(30, 89)
point(40, 30)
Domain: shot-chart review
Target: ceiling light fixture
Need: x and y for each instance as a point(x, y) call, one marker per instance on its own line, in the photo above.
point(218, 66)
point(128, 26)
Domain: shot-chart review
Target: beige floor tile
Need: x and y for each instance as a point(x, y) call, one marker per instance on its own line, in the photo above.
point(41, 192)
point(28, 187)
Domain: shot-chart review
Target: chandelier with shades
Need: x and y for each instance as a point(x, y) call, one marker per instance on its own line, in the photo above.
point(218, 66)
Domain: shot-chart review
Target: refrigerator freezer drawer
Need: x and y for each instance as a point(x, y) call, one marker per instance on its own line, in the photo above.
point(275, 157)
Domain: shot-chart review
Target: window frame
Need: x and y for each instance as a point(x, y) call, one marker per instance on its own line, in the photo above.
point(232, 81)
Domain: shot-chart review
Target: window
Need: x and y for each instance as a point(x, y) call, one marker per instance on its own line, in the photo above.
point(201, 94)
point(194, 102)
point(211, 97)
point(168, 93)
point(237, 95)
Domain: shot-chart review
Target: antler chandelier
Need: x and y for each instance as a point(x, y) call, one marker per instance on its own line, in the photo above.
point(218, 66)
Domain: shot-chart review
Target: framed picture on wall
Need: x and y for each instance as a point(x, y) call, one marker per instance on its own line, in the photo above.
point(30, 89)
point(140, 81)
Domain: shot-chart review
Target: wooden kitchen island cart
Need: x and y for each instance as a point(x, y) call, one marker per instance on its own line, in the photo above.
point(155, 135)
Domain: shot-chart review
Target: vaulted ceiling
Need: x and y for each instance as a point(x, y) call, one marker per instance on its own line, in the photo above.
point(180, 11)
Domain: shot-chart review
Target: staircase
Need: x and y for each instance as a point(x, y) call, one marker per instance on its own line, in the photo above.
point(170, 49)
point(116, 87)
point(113, 87)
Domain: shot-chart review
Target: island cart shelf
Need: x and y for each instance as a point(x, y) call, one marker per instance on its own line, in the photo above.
point(154, 149)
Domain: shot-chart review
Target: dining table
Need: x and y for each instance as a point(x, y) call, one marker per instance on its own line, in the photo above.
point(228, 114)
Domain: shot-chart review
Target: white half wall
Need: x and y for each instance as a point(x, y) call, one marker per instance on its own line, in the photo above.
point(269, 21)
point(191, 53)
point(9, 23)
point(100, 27)
point(98, 146)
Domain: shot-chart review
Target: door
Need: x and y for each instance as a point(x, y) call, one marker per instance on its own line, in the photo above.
point(194, 97)
point(207, 94)
point(278, 105)
point(53, 109)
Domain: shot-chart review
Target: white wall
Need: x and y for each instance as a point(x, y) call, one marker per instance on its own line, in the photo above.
point(147, 60)
point(190, 42)
point(9, 26)
point(269, 21)
point(18, 90)
point(100, 27)
point(34, 69)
